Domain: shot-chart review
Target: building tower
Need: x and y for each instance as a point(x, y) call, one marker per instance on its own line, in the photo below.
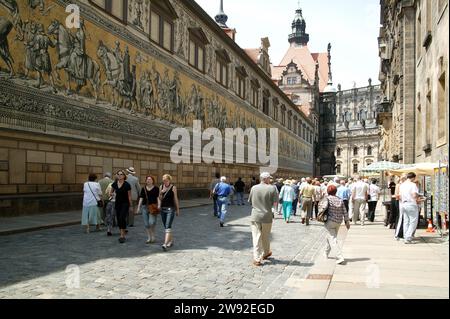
point(299, 37)
point(327, 132)
point(221, 18)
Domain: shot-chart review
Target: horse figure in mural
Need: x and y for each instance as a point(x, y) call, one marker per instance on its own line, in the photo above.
point(72, 58)
point(120, 76)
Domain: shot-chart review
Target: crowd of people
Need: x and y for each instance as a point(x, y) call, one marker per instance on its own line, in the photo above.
point(115, 202)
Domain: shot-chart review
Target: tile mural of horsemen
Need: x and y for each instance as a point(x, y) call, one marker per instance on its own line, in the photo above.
point(5, 28)
point(72, 57)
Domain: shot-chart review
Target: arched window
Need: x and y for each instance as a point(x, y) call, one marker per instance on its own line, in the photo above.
point(338, 152)
point(355, 151)
point(338, 168)
point(369, 151)
point(355, 168)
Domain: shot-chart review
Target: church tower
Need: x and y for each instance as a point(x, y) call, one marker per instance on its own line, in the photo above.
point(299, 37)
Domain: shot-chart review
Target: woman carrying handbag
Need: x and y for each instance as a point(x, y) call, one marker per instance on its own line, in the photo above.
point(149, 203)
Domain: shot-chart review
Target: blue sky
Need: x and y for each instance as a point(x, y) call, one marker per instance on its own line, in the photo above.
point(351, 26)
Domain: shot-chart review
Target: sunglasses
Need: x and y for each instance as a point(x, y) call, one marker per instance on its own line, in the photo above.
point(121, 174)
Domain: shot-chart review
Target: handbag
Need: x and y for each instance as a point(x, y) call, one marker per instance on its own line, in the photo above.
point(99, 202)
point(323, 215)
point(152, 208)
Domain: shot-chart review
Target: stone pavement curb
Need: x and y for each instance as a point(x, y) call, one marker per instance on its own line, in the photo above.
point(25, 224)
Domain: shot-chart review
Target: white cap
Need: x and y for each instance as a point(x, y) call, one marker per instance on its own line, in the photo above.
point(265, 175)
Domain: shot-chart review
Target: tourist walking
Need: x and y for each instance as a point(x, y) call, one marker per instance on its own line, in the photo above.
point(317, 197)
point(287, 196)
point(135, 190)
point(212, 186)
point(240, 189)
point(350, 185)
point(343, 192)
point(409, 209)
point(374, 194)
point(169, 208)
point(232, 200)
point(360, 194)
point(392, 217)
point(399, 233)
point(122, 190)
point(92, 194)
point(336, 214)
point(149, 204)
point(110, 217)
point(104, 183)
point(296, 189)
point(279, 185)
point(307, 194)
point(222, 191)
point(262, 198)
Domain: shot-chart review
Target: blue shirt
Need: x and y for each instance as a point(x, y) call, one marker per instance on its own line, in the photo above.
point(343, 193)
point(222, 189)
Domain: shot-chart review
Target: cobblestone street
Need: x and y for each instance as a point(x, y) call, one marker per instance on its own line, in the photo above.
point(206, 261)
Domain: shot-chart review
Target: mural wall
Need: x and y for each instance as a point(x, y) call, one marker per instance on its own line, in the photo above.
point(106, 83)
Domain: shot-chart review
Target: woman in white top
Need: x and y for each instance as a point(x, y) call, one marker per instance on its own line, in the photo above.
point(374, 193)
point(92, 194)
point(287, 196)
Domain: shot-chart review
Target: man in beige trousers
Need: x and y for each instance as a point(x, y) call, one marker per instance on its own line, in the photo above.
point(262, 198)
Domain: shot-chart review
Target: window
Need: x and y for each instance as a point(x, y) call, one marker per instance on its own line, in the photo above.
point(355, 151)
point(275, 113)
point(338, 168)
point(289, 120)
point(369, 151)
point(355, 168)
point(291, 80)
point(295, 125)
point(428, 127)
point(255, 93)
point(197, 43)
point(266, 102)
point(162, 17)
point(283, 115)
point(116, 8)
point(442, 108)
point(299, 129)
point(275, 103)
point(304, 132)
point(419, 36)
point(338, 152)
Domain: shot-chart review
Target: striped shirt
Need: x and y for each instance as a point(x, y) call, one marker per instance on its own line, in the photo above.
point(337, 211)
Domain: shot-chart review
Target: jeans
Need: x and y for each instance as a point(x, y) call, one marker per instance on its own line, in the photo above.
point(240, 198)
point(149, 219)
point(222, 206)
point(294, 207)
point(372, 208)
point(216, 207)
point(410, 218)
point(167, 216)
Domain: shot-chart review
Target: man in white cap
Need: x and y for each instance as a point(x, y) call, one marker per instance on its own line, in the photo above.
point(135, 191)
point(262, 198)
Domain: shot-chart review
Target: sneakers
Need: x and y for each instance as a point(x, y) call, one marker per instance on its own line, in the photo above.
point(164, 247)
point(340, 261)
point(408, 242)
point(221, 225)
point(122, 240)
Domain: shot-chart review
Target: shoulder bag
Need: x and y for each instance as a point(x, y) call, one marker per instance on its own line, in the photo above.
point(152, 208)
point(323, 215)
point(99, 202)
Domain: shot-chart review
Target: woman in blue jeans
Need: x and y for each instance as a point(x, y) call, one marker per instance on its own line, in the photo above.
point(149, 196)
point(169, 207)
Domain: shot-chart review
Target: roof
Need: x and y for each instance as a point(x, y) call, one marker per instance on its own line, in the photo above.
point(253, 54)
point(306, 62)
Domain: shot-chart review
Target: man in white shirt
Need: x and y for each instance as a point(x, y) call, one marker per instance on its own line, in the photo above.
point(360, 192)
point(409, 197)
point(374, 193)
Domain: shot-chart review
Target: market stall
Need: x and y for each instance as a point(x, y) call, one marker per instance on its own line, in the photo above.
point(434, 187)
